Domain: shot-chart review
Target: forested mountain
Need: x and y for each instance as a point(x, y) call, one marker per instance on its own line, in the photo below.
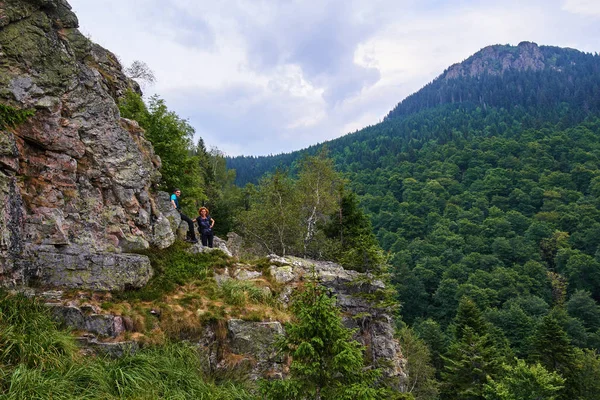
point(527, 84)
point(484, 189)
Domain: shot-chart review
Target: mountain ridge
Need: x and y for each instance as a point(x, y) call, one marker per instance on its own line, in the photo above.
point(539, 84)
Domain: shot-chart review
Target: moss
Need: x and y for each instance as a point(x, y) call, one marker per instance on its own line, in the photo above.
point(80, 44)
point(11, 117)
point(34, 43)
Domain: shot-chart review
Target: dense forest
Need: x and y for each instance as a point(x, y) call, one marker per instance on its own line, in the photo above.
point(484, 191)
point(564, 89)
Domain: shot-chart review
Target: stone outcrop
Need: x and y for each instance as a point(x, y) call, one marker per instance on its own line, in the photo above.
point(495, 60)
point(356, 295)
point(75, 178)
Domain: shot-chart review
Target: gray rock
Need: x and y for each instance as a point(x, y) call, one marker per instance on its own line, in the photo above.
point(104, 325)
point(85, 172)
point(246, 275)
point(162, 232)
point(68, 316)
point(96, 271)
point(72, 317)
point(110, 349)
point(283, 274)
point(256, 340)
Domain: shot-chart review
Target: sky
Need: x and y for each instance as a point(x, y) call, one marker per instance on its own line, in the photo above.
point(260, 77)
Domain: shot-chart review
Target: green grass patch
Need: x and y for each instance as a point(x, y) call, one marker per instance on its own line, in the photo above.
point(39, 361)
point(174, 267)
point(238, 293)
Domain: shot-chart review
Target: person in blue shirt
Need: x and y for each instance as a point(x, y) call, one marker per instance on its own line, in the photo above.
point(191, 235)
point(205, 225)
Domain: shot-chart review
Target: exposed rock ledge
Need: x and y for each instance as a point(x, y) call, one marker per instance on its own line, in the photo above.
point(251, 343)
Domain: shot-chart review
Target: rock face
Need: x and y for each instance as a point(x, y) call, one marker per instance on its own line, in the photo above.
point(75, 178)
point(495, 60)
point(355, 293)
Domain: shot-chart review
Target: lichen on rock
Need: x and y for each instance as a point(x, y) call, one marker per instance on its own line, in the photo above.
point(82, 174)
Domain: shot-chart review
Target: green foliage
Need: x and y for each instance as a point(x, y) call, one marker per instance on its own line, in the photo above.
point(201, 175)
point(174, 266)
point(273, 220)
point(326, 362)
point(485, 187)
point(28, 335)
point(239, 293)
point(421, 381)
point(357, 246)
point(11, 117)
point(522, 381)
point(40, 362)
point(312, 216)
point(472, 360)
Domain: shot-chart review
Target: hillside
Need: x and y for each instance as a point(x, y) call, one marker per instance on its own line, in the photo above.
point(500, 85)
point(484, 189)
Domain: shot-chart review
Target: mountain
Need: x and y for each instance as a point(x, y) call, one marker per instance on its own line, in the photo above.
point(537, 78)
point(484, 190)
point(530, 84)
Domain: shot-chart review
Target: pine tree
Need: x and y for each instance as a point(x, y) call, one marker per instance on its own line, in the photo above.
point(472, 359)
point(552, 348)
point(326, 362)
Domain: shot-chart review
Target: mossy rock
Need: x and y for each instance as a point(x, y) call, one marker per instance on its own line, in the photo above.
point(34, 43)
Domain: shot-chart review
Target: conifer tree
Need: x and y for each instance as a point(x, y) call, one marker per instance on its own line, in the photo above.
point(552, 348)
point(326, 362)
point(472, 359)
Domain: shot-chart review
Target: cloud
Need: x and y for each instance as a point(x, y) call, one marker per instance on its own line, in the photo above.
point(267, 76)
point(584, 7)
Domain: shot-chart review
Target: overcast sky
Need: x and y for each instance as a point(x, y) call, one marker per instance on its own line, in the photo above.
point(258, 77)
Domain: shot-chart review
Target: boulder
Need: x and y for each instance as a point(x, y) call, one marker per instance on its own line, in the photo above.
point(95, 271)
point(257, 341)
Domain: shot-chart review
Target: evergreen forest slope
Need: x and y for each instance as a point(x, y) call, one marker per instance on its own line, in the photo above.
point(484, 188)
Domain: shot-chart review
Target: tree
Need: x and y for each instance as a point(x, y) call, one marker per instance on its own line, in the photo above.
point(473, 359)
point(273, 220)
point(553, 350)
point(421, 381)
point(318, 185)
point(522, 381)
point(139, 70)
point(326, 362)
point(582, 306)
point(357, 247)
point(171, 138)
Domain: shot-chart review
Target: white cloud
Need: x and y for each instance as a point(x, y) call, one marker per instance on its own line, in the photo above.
point(266, 76)
point(584, 7)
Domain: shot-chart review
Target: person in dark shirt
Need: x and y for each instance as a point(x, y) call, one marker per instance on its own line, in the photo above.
point(205, 225)
point(191, 234)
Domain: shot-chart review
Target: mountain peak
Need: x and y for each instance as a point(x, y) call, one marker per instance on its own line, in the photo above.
point(497, 59)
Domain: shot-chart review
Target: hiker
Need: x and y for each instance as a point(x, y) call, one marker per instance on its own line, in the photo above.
point(191, 235)
point(205, 224)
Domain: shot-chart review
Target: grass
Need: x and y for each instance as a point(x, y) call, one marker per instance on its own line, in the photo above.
point(175, 267)
point(239, 293)
point(39, 361)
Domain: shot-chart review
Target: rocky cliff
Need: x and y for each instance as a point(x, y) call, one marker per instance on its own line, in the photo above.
point(233, 338)
point(495, 60)
point(75, 178)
